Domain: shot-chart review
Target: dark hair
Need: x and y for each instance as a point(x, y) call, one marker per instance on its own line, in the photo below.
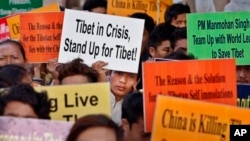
point(91, 4)
point(26, 94)
point(179, 55)
point(132, 107)
point(13, 74)
point(77, 67)
point(161, 33)
point(175, 9)
point(17, 43)
point(149, 21)
point(90, 121)
point(178, 34)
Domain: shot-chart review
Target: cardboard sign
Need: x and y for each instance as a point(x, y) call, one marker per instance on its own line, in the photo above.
point(4, 29)
point(14, 21)
point(178, 119)
point(150, 7)
point(69, 102)
point(41, 35)
point(219, 35)
point(27, 129)
point(195, 79)
point(243, 91)
point(17, 6)
point(93, 36)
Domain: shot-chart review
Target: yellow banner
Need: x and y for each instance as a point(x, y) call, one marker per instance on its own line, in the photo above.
point(154, 8)
point(70, 102)
point(14, 21)
point(178, 119)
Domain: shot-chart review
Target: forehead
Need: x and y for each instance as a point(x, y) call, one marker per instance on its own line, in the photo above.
point(10, 47)
point(122, 72)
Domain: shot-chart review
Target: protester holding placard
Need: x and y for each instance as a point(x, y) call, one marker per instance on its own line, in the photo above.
point(132, 118)
point(176, 15)
point(159, 41)
point(23, 101)
point(97, 6)
point(95, 127)
point(121, 84)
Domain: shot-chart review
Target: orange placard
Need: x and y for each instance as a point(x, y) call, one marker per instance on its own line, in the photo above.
point(41, 34)
point(208, 80)
point(178, 119)
point(14, 20)
point(128, 7)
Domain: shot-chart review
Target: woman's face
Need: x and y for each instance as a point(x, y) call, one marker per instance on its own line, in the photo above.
point(11, 54)
point(97, 134)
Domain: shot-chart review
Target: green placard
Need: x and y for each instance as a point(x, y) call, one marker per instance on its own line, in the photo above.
point(17, 6)
point(220, 35)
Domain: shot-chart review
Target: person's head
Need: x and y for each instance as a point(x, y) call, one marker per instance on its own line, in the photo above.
point(12, 52)
point(15, 74)
point(159, 41)
point(179, 39)
point(243, 74)
point(76, 72)
point(123, 83)
point(179, 55)
point(176, 15)
point(23, 101)
point(149, 25)
point(132, 118)
point(97, 6)
point(95, 128)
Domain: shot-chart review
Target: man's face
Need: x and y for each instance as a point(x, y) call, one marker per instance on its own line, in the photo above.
point(179, 21)
point(122, 83)
point(19, 109)
point(135, 132)
point(243, 74)
point(181, 44)
point(162, 50)
point(10, 54)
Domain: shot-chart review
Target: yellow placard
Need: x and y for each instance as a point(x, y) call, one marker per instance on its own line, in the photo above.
point(14, 21)
point(70, 102)
point(178, 119)
point(154, 8)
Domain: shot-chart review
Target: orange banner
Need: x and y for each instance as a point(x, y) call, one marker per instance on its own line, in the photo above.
point(128, 7)
point(208, 80)
point(14, 20)
point(41, 34)
point(178, 119)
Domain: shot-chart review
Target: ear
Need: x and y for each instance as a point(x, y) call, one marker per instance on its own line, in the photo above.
point(135, 85)
point(152, 51)
point(125, 125)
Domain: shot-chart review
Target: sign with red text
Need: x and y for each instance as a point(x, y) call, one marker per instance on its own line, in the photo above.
point(207, 80)
point(4, 29)
point(153, 8)
point(27, 129)
point(178, 119)
point(14, 20)
point(92, 36)
point(70, 102)
point(40, 35)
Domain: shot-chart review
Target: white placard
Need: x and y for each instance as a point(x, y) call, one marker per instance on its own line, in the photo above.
point(93, 36)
